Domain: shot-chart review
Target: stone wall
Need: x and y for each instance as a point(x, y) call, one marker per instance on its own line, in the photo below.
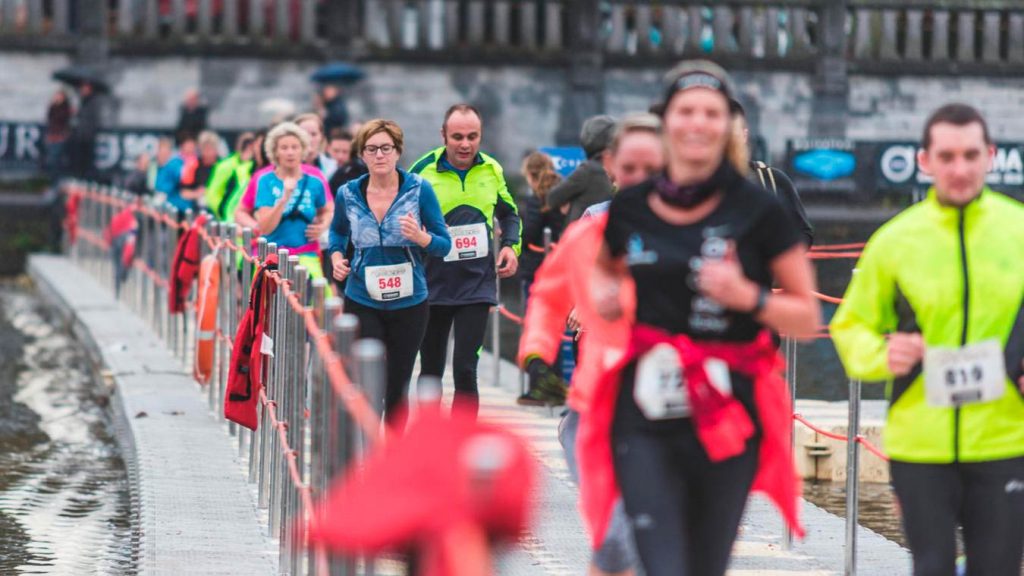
point(521, 104)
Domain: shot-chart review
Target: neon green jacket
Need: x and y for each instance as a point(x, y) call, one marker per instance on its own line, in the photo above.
point(227, 182)
point(479, 198)
point(955, 275)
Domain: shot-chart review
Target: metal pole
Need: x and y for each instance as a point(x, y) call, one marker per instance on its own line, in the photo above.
point(263, 441)
point(370, 358)
point(299, 418)
point(255, 446)
point(789, 353)
point(316, 414)
point(230, 307)
point(496, 314)
point(214, 231)
point(286, 394)
point(340, 432)
point(274, 393)
point(852, 478)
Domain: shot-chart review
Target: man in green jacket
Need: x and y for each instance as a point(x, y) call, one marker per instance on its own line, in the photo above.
point(930, 308)
point(471, 188)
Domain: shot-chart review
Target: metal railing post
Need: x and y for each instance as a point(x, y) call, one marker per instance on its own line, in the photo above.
point(370, 357)
point(263, 438)
point(316, 414)
point(213, 230)
point(229, 309)
point(496, 314)
point(275, 392)
point(256, 436)
point(789, 353)
point(852, 478)
point(340, 431)
point(298, 415)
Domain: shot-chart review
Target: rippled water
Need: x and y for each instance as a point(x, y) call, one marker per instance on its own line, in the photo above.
point(64, 502)
point(876, 510)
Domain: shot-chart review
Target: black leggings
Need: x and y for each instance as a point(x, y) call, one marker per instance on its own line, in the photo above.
point(470, 321)
point(401, 331)
point(986, 498)
point(685, 510)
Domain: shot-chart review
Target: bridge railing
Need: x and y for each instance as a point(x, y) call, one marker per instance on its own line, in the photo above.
point(318, 406)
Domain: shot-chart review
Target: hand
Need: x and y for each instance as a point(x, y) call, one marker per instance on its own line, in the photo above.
point(289, 187)
point(507, 262)
point(724, 282)
point(341, 268)
point(315, 230)
point(412, 230)
point(573, 322)
point(905, 351)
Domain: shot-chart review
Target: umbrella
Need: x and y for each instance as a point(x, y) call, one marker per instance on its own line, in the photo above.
point(78, 75)
point(442, 473)
point(338, 73)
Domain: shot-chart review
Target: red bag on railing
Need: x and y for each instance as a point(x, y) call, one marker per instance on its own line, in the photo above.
point(245, 376)
point(71, 216)
point(185, 265)
point(123, 224)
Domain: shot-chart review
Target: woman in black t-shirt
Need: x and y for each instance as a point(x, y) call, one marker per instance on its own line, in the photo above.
point(700, 408)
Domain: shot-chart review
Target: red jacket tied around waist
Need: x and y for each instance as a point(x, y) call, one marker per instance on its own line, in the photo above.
point(722, 424)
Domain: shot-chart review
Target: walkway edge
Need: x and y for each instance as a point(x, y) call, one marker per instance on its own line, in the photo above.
point(192, 509)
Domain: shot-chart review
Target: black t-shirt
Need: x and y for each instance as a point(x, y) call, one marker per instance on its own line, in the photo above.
point(664, 258)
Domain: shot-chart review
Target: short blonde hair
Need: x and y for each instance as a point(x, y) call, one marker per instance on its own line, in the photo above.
point(280, 131)
point(208, 137)
point(376, 126)
point(643, 122)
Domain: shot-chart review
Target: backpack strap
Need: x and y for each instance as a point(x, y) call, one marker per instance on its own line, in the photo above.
point(763, 169)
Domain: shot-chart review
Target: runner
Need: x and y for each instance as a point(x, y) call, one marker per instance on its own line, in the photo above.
point(697, 410)
point(539, 171)
point(772, 179)
point(393, 219)
point(635, 154)
point(929, 310)
point(588, 184)
point(471, 189)
point(228, 176)
point(288, 201)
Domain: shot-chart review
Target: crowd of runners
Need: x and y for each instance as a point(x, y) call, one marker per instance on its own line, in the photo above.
point(678, 263)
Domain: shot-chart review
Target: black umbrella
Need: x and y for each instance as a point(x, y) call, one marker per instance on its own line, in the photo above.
point(78, 75)
point(338, 73)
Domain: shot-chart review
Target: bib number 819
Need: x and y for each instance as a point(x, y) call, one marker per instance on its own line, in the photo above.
point(962, 376)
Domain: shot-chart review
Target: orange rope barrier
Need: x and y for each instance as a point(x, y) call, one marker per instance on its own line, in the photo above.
point(827, 298)
point(853, 246)
point(832, 255)
point(860, 439)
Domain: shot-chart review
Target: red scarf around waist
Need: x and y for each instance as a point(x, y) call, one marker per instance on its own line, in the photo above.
point(722, 424)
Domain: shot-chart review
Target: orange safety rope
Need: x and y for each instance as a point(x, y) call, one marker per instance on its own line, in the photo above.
point(860, 439)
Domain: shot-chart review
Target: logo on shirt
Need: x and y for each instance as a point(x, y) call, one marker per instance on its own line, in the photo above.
point(635, 253)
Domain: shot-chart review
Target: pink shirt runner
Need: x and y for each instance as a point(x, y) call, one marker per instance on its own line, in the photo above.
point(248, 201)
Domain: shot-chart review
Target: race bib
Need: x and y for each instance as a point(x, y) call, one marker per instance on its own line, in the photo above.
point(660, 388)
point(386, 283)
point(469, 242)
point(957, 376)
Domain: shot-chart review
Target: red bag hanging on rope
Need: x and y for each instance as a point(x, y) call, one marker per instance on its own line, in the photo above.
point(245, 376)
point(185, 265)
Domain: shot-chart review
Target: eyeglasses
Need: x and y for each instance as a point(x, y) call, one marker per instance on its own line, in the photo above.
point(383, 148)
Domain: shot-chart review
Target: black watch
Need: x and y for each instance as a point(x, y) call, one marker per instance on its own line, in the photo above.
point(762, 299)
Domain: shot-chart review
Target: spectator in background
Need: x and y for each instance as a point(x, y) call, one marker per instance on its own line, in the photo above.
point(58, 129)
point(589, 183)
point(168, 178)
point(137, 181)
point(350, 165)
point(539, 171)
point(316, 156)
point(84, 128)
point(335, 108)
point(197, 171)
point(192, 116)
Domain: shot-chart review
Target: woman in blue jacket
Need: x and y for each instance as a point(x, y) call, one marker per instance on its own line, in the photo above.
point(392, 218)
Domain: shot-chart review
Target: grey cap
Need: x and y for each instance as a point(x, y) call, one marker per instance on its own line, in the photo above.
point(596, 134)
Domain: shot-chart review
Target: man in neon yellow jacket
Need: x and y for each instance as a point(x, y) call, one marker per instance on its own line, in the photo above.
point(930, 308)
